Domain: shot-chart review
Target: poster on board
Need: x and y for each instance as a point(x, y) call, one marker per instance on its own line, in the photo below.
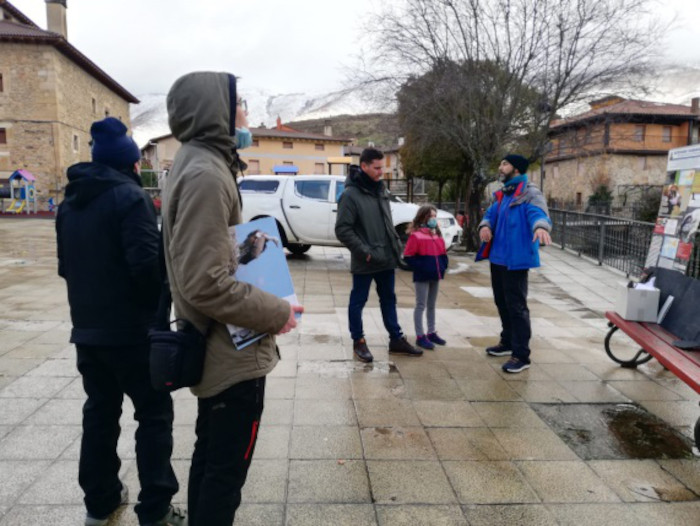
point(679, 213)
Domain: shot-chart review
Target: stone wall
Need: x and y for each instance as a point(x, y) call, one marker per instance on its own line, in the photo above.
point(565, 179)
point(46, 101)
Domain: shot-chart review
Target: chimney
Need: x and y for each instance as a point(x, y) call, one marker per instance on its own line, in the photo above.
point(56, 17)
point(327, 128)
point(695, 106)
point(279, 123)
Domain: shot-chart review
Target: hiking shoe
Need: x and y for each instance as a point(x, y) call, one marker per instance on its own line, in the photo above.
point(401, 346)
point(94, 521)
point(514, 365)
point(433, 337)
point(498, 350)
point(174, 517)
point(359, 347)
point(423, 341)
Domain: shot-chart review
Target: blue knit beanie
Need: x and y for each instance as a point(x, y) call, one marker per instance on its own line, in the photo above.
point(518, 161)
point(111, 145)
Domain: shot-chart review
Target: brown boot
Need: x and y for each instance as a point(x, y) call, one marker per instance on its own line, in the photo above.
point(401, 346)
point(359, 347)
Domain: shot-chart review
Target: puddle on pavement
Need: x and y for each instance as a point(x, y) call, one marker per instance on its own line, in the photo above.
point(345, 368)
point(614, 431)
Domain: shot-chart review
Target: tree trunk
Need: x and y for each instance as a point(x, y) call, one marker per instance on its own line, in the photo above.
point(473, 197)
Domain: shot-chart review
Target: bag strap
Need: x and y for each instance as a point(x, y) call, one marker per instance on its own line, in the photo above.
point(166, 299)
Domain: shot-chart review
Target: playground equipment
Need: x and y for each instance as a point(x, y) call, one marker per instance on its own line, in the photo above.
point(21, 192)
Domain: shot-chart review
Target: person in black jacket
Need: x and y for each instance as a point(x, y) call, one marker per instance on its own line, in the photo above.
point(364, 225)
point(108, 242)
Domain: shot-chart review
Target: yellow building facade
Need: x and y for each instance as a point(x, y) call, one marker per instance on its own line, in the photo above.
point(273, 151)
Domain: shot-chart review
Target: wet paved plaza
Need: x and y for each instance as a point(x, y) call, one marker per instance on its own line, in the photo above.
point(445, 439)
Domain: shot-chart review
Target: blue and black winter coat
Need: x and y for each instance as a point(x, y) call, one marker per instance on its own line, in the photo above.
point(519, 210)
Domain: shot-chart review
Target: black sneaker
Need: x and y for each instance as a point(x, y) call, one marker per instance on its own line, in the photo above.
point(515, 366)
point(359, 347)
point(401, 346)
point(96, 521)
point(174, 517)
point(433, 337)
point(498, 350)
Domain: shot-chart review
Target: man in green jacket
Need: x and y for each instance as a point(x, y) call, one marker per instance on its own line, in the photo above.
point(365, 227)
point(201, 202)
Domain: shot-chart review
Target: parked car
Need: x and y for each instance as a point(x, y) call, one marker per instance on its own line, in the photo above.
point(305, 207)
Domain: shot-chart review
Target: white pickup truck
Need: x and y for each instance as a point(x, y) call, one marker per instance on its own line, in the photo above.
point(305, 207)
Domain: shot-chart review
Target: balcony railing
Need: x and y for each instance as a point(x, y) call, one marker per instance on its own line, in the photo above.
point(619, 243)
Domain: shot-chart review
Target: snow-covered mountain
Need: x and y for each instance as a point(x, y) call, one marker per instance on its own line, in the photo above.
point(149, 119)
point(675, 84)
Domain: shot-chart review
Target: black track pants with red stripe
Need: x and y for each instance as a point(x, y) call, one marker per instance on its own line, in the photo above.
point(227, 428)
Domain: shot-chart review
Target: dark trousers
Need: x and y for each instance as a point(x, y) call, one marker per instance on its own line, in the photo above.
point(361, 283)
point(227, 430)
point(510, 294)
point(109, 373)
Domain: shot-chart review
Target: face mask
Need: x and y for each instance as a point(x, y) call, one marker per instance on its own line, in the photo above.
point(243, 138)
point(432, 223)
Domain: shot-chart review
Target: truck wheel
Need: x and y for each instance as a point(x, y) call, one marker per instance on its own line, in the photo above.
point(298, 249)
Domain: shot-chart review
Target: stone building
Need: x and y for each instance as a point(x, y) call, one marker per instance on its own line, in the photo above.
point(619, 143)
point(50, 93)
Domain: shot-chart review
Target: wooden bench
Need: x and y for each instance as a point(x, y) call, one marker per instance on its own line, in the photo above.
point(657, 342)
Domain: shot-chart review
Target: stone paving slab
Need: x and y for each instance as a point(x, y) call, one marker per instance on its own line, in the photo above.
point(443, 439)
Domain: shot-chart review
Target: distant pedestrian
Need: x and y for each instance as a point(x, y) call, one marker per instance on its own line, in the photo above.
point(425, 253)
point(512, 230)
point(108, 240)
point(364, 225)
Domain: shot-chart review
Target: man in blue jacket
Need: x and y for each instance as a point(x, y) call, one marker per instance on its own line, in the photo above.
point(107, 238)
point(512, 230)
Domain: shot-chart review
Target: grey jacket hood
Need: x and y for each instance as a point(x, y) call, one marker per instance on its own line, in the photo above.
point(202, 109)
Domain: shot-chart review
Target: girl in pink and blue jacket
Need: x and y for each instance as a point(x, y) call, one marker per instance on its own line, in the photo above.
point(426, 255)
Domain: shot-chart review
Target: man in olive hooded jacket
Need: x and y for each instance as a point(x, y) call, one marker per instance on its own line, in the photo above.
point(201, 202)
point(364, 225)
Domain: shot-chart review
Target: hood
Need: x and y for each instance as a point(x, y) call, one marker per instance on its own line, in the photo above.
point(356, 177)
point(202, 109)
point(86, 181)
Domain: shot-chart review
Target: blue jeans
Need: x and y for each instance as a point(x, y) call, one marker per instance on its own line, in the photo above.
point(387, 302)
point(510, 295)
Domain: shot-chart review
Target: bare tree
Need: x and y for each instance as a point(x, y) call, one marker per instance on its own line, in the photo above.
point(500, 70)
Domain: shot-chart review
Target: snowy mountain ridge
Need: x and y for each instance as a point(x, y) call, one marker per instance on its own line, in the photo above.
point(149, 119)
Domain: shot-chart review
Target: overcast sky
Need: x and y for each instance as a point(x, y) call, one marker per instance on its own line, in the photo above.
point(283, 46)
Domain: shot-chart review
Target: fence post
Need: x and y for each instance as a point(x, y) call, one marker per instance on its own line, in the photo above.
point(601, 242)
point(563, 231)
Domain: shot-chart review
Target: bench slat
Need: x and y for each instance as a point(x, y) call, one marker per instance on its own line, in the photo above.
point(657, 342)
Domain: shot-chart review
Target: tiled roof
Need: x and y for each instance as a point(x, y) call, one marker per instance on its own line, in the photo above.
point(29, 33)
point(630, 107)
point(281, 134)
point(5, 5)
point(272, 133)
point(11, 29)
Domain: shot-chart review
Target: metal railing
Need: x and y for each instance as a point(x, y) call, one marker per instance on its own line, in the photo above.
point(616, 242)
